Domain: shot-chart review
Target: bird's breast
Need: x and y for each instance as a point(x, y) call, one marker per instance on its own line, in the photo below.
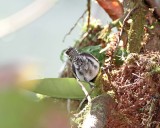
point(88, 71)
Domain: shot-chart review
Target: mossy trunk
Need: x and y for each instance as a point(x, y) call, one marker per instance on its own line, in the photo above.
point(136, 30)
point(134, 25)
point(141, 28)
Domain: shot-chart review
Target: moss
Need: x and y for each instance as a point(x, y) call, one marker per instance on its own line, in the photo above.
point(78, 119)
point(155, 70)
point(136, 30)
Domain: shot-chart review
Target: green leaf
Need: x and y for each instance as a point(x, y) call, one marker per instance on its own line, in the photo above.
point(121, 54)
point(67, 88)
point(62, 55)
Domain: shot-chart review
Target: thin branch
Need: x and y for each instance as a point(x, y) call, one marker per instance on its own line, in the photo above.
point(68, 105)
point(88, 95)
point(89, 13)
point(124, 21)
point(137, 76)
point(75, 25)
point(122, 29)
point(84, 90)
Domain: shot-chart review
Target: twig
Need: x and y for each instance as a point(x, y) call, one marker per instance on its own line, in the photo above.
point(68, 105)
point(80, 105)
point(89, 13)
point(84, 90)
point(127, 85)
point(122, 30)
point(84, 36)
point(75, 25)
point(137, 76)
point(124, 21)
point(151, 112)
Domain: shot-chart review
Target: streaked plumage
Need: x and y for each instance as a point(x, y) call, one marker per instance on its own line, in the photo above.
point(85, 66)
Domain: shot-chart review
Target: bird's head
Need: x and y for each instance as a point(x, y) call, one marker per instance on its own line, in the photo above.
point(71, 52)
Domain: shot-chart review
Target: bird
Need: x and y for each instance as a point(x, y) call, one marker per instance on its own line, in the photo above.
point(85, 66)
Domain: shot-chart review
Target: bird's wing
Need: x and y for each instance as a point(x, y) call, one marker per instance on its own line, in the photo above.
point(89, 55)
